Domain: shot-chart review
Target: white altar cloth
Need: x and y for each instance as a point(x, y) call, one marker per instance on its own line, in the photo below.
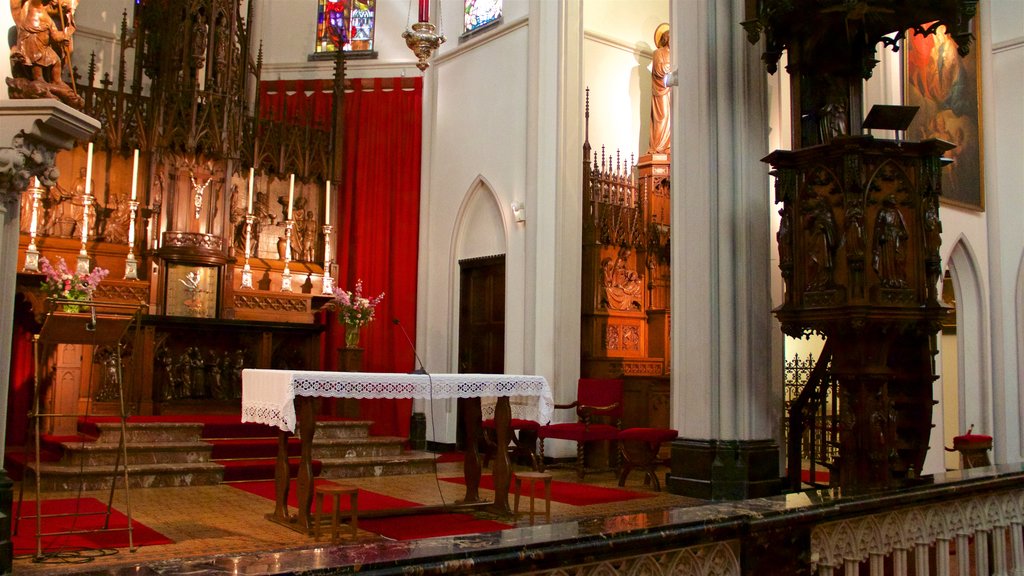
point(268, 395)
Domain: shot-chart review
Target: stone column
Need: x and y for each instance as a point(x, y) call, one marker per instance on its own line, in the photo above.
point(723, 402)
point(35, 128)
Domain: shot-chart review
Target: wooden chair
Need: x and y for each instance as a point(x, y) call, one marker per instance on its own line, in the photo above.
point(524, 441)
point(598, 408)
point(639, 448)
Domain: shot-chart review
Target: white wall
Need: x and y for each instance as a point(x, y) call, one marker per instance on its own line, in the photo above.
point(1002, 43)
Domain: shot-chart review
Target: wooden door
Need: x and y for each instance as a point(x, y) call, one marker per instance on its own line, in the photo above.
point(482, 315)
point(481, 328)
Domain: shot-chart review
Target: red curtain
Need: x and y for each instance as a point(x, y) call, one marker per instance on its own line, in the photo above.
point(19, 394)
point(377, 221)
point(297, 102)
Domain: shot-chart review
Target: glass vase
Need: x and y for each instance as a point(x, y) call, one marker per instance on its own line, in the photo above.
point(352, 336)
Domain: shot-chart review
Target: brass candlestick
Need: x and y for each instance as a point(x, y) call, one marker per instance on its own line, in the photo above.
point(32, 253)
point(328, 284)
point(247, 270)
point(286, 274)
point(131, 266)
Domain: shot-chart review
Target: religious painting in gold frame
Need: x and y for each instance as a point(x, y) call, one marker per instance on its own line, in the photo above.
point(947, 89)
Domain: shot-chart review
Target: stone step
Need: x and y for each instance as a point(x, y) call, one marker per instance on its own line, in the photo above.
point(148, 432)
point(342, 429)
point(371, 446)
point(105, 454)
point(59, 477)
point(357, 467)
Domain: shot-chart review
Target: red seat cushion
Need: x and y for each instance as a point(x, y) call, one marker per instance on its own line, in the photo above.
point(578, 432)
point(651, 435)
point(515, 424)
point(972, 442)
point(973, 438)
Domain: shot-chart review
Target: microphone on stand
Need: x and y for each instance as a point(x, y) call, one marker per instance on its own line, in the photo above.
point(422, 369)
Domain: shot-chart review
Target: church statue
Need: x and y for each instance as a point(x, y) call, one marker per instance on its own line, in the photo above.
point(623, 287)
point(661, 106)
point(42, 50)
point(118, 219)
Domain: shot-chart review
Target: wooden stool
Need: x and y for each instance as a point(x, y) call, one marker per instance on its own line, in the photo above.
point(336, 491)
point(639, 447)
point(533, 477)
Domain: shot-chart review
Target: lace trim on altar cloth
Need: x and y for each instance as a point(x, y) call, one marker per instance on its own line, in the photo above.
point(267, 394)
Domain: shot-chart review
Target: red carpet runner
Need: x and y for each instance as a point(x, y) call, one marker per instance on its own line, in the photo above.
point(568, 492)
point(91, 514)
point(410, 527)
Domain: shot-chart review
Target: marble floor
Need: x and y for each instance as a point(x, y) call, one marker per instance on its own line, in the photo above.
point(220, 520)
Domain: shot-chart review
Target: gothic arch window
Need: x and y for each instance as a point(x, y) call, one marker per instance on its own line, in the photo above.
point(481, 14)
point(350, 21)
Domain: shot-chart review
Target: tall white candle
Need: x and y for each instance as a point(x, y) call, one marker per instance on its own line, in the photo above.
point(327, 205)
point(252, 176)
point(135, 174)
point(291, 196)
point(88, 172)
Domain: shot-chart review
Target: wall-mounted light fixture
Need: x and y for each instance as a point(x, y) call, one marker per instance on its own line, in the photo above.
point(519, 211)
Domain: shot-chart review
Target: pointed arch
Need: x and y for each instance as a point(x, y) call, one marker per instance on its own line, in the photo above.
point(477, 219)
point(481, 228)
point(975, 386)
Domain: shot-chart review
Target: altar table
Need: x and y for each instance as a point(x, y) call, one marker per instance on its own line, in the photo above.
point(286, 399)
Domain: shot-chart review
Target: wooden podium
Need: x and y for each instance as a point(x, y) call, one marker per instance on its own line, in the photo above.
point(99, 324)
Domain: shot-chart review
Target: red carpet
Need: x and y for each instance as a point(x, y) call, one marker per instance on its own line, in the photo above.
point(25, 540)
point(367, 500)
point(410, 527)
point(567, 492)
point(820, 476)
point(429, 525)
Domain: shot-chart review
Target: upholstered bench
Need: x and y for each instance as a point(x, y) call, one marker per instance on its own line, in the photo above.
point(639, 448)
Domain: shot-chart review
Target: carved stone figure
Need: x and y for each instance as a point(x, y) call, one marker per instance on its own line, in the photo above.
point(661, 106)
point(41, 50)
point(889, 246)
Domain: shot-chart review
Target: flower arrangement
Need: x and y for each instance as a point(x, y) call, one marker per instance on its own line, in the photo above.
point(354, 310)
point(65, 284)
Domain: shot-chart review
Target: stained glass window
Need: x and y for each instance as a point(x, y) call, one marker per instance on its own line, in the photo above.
point(349, 22)
point(481, 13)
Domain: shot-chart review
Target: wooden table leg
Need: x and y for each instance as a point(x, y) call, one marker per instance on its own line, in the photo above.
point(281, 478)
point(470, 408)
point(305, 410)
point(502, 465)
